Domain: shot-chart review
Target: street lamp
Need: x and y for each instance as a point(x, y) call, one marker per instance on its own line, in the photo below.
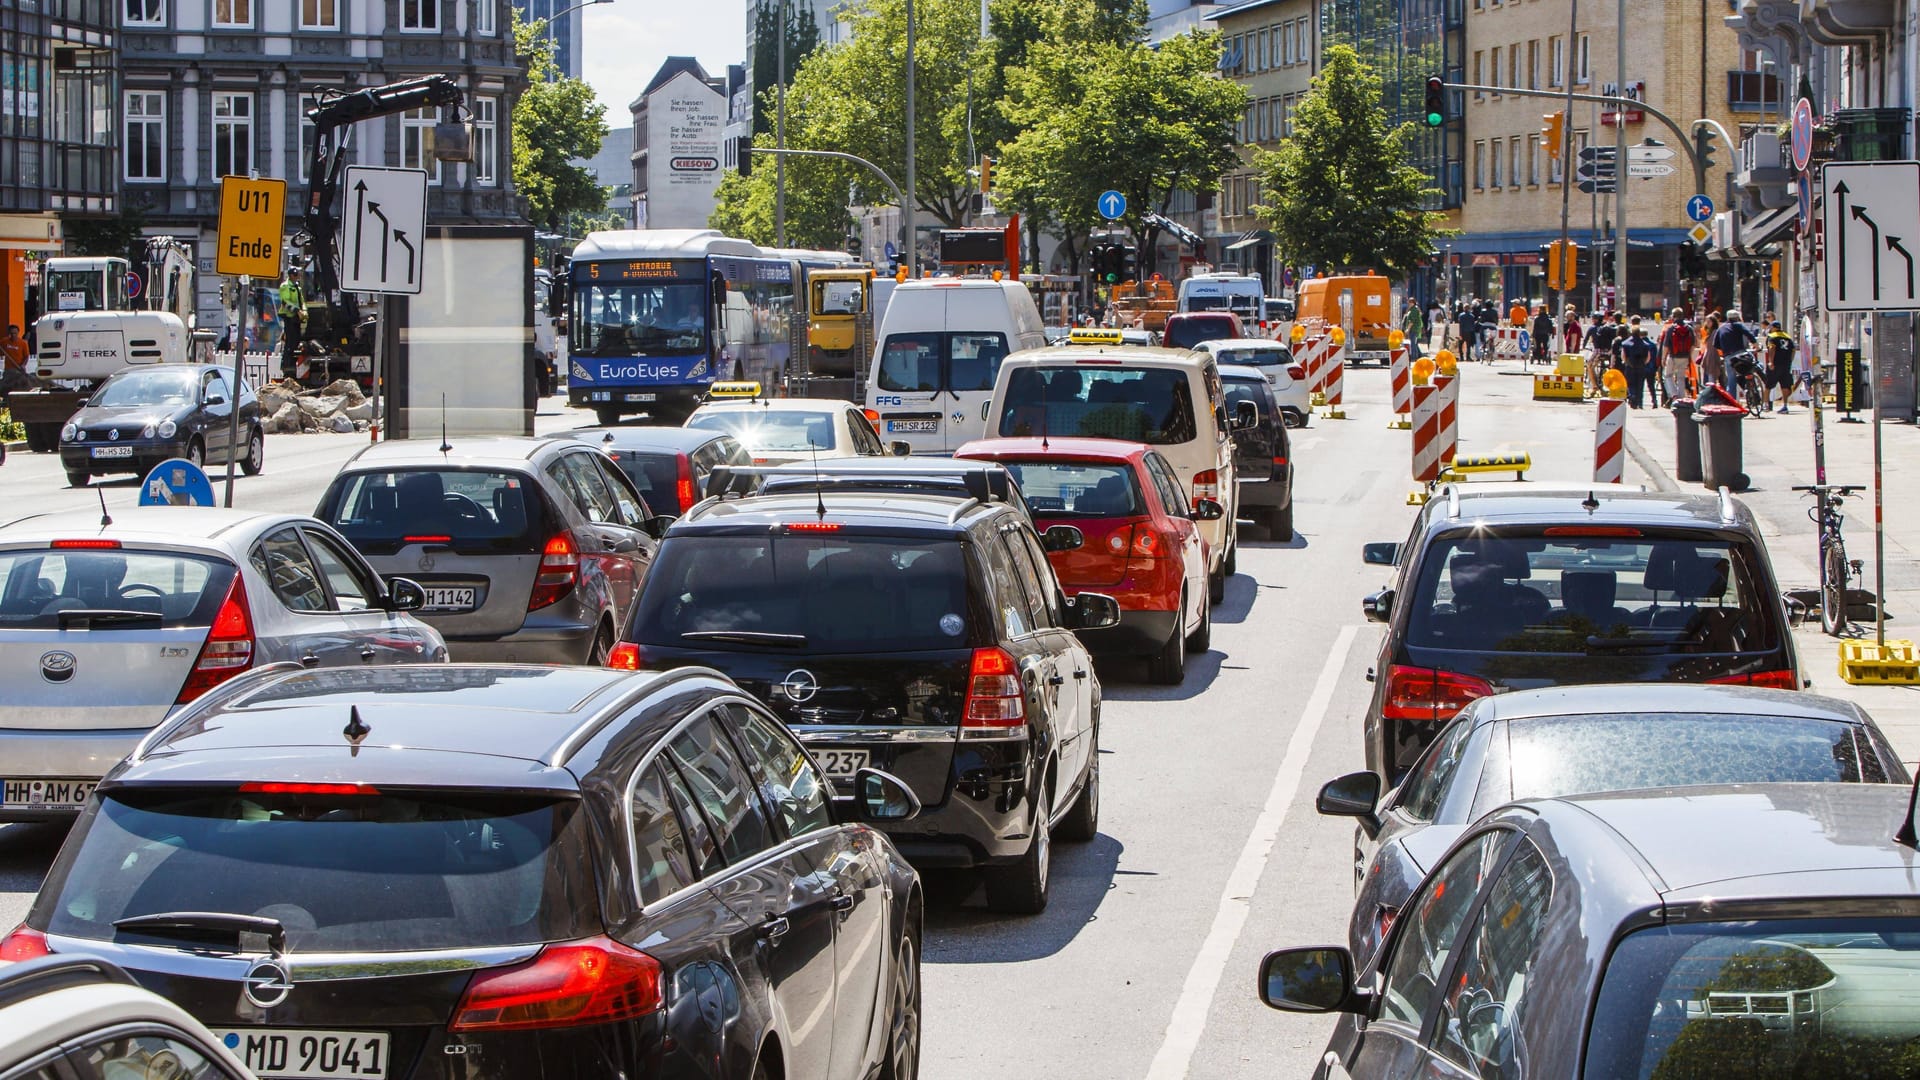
point(555, 17)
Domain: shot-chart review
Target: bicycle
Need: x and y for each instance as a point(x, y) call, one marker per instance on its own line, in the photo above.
point(1835, 567)
point(1748, 386)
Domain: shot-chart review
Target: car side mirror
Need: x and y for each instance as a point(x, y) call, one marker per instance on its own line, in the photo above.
point(883, 797)
point(1311, 980)
point(216, 399)
point(900, 448)
point(1380, 554)
point(1246, 415)
point(1092, 611)
point(405, 594)
point(1208, 510)
point(1378, 607)
point(1354, 795)
point(656, 526)
point(1063, 538)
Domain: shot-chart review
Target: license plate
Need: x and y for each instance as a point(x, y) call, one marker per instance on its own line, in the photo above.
point(112, 451)
point(841, 764)
point(443, 599)
point(363, 363)
point(643, 397)
point(47, 794)
point(297, 1055)
point(913, 427)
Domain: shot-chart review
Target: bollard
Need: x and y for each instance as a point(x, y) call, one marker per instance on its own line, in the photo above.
point(1426, 431)
point(1397, 377)
point(1447, 384)
point(1336, 366)
point(1610, 430)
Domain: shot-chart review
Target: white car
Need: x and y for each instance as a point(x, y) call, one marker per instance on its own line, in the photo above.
point(84, 1017)
point(1275, 361)
point(777, 431)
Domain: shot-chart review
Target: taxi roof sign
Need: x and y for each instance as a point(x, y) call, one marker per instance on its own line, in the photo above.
point(252, 223)
point(743, 389)
point(1087, 335)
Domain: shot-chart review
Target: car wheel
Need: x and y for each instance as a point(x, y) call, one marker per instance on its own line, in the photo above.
point(1021, 889)
point(606, 415)
point(1217, 585)
point(1202, 637)
point(256, 458)
point(903, 1026)
point(78, 477)
point(1280, 523)
point(1232, 565)
point(1082, 823)
point(197, 453)
point(602, 648)
point(1169, 666)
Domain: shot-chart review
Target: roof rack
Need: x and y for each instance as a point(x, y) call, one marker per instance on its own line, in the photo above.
point(564, 749)
point(961, 510)
point(31, 978)
point(1729, 513)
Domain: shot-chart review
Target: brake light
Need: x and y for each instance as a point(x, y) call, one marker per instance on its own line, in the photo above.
point(25, 943)
point(1774, 680)
point(427, 539)
point(995, 700)
point(1146, 543)
point(277, 787)
point(1417, 693)
point(1206, 485)
point(1296, 371)
point(85, 545)
point(229, 647)
point(1591, 530)
point(624, 657)
point(683, 484)
point(873, 417)
point(595, 981)
point(559, 572)
point(813, 527)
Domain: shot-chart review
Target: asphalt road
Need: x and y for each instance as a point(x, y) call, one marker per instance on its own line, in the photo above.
point(1210, 852)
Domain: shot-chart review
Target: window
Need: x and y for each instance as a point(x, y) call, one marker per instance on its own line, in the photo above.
point(788, 780)
point(233, 13)
point(1513, 66)
point(1010, 600)
point(319, 14)
point(232, 134)
point(352, 589)
point(1430, 928)
point(1499, 170)
point(1038, 587)
point(283, 560)
point(419, 14)
point(146, 141)
point(721, 787)
point(661, 862)
point(145, 1054)
point(416, 141)
point(1513, 161)
point(1479, 71)
point(1556, 61)
point(1533, 65)
point(485, 16)
point(1533, 160)
point(1426, 785)
point(146, 12)
point(1479, 165)
point(1582, 54)
point(307, 102)
point(1481, 1012)
point(1493, 73)
point(486, 140)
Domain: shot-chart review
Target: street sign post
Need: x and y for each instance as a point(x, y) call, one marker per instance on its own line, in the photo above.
point(1802, 134)
point(252, 216)
point(1598, 170)
point(382, 227)
point(1872, 219)
point(1699, 208)
point(1112, 205)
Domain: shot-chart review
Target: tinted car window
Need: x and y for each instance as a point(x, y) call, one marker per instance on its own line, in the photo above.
point(655, 473)
point(1185, 333)
point(1238, 390)
point(768, 429)
point(1253, 355)
point(935, 360)
point(702, 848)
point(151, 386)
point(1426, 785)
point(720, 785)
point(913, 593)
point(282, 559)
point(1429, 929)
point(1149, 405)
point(148, 1054)
point(1073, 487)
point(787, 778)
point(352, 589)
point(1567, 755)
point(1482, 1010)
point(1037, 586)
point(661, 862)
point(1009, 596)
point(473, 510)
point(37, 585)
point(1173, 497)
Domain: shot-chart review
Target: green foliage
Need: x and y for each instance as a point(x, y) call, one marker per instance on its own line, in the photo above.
point(803, 37)
point(555, 121)
point(817, 217)
point(11, 430)
point(1342, 194)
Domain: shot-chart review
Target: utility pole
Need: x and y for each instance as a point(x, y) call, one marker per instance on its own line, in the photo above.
point(913, 192)
point(1566, 168)
point(780, 137)
point(1620, 166)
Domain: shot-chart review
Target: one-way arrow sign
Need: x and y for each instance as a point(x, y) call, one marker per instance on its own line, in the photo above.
point(385, 215)
point(1869, 216)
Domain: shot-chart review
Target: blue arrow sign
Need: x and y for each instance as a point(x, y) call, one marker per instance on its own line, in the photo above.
point(1699, 208)
point(1112, 205)
point(176, 482)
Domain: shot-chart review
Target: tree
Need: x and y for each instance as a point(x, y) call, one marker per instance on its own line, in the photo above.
point(817, 217)
point(803, 37)
point(1342, 194)
point(555, 121)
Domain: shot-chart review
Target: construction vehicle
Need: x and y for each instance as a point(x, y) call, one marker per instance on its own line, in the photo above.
point(830, 357)
point(1145, 304)
point(103, 316)
point(1360, 304)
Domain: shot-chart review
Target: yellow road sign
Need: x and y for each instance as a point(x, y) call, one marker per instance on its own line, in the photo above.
point(252, 219)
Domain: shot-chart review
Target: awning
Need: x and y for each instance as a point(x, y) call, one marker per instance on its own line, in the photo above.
point(1249, 239)
point(1759, 231)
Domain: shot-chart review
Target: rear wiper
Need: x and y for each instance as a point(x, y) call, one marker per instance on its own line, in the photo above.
point(200, 925)
point(82, 618)
point(749, 637)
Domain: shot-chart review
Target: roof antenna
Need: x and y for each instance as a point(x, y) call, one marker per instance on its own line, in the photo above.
point(1590, 502)
point(819, 498)
point(356, 730)
point(445, 446)
point(106, 519)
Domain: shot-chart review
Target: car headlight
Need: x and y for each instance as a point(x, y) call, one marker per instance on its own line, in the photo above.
point(147, 432)
point(167, 429)
point(70, 433)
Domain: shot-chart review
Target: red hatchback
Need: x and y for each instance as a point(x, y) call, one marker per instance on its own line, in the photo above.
point(1142, 547)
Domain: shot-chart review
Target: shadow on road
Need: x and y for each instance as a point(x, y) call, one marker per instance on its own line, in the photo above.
point(1241, 590)
point(1249, 533)
point(1125, 680)
point(959, 931)
point(25, 852)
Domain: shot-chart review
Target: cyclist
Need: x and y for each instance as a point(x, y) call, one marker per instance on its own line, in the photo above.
point(1780, 349)
point(1600, 341)
point(1733, 337)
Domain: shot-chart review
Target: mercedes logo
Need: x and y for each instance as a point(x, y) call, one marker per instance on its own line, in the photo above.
point(799, 685)
point(426, 560)
point(267, 983)
point(56, 666)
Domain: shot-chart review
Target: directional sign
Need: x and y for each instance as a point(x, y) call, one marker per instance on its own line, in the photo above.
point(1700, 234)
point(1648, 151)
point(1802, 134)
point(1598, 187)
point(381, 229)
point(252, 217)
point(1699, 208)
point(1112, 205)
point(1599, 153)
point(1646, 170)
point(1803, 193)
point(176, 482)
point(1872, 220)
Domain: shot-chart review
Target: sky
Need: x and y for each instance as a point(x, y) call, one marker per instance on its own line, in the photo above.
point(628, 40)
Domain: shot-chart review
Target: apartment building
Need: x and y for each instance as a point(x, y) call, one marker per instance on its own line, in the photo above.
point(1272, 49)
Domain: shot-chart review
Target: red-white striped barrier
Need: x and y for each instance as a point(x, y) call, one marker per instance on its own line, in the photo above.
point(1399, 375)
point(1610, 441)
point(1336, 382)
point(1506, 341)
point(1448, 389)
point(1426, 437)
point(1318, 348)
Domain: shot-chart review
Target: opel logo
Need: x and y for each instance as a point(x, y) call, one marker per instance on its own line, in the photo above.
point(799, 685)
point(56, 666)
point(267, 983)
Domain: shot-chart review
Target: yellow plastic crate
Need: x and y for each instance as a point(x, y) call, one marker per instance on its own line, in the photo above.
point(1868, 663)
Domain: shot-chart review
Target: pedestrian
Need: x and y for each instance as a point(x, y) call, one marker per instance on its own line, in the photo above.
point(1637, 354)
point(1702, 348)
point(1676, 346)
point(1571, 332)
point(1730, 340)
point(1469, 331)
point(14, 348)
point(1780, 350)
point(1411, 328)
point(1542, 333)
point(1599, 345)
point(293, 311)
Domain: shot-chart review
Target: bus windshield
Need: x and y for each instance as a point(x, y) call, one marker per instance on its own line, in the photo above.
point(635, 319)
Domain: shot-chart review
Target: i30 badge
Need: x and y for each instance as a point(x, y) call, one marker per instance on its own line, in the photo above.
point(267, 983)
point(799, 685)
point(56, 666)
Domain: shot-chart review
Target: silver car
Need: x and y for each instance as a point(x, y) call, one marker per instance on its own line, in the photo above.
point(529, 549)
point(107, 626)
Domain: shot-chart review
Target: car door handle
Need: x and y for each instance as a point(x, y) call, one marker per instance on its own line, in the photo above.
point(1056, 680)
point(841, 902)
point(1081, 674)
point(774, 929)
point(309, 660)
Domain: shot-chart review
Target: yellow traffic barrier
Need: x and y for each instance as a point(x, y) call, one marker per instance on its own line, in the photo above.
point(1462, 467)
point(1568, 382)
point(1868, 663)
point(1614, 382)
point(1570, 364)
point(1446, 363)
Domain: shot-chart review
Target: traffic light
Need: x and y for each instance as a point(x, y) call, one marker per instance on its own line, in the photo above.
point(1554, 132)
point(1703, 148)
point(986, 174)
point(1693, 260)
point(1436, 101)
point(1563, 263)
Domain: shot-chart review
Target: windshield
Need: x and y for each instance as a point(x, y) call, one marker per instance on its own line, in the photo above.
point(794, 591)
point(1253, 355)
point(183, 590)
point(149, 387)
point(472, 510)
point(1078, 488)
point(639, 319)
point(1770, 1000)
point(1585, 594)
point(770, 429)
point(75, 290)
point(1555, 756)
point(1149, 405)
point(836, 297)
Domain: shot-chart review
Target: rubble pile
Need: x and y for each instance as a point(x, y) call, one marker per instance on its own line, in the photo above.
point(339, 406)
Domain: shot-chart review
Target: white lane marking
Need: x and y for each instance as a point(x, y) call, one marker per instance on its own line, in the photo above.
point(1236, 899)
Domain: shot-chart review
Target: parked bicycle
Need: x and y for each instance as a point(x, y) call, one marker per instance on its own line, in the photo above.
point(1835, 567)
point(1748, 384)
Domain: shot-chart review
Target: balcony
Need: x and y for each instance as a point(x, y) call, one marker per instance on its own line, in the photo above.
point(1760, 170)
point(1754, 91)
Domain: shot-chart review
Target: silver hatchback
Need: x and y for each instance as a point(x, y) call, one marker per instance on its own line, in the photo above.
point(107, 625)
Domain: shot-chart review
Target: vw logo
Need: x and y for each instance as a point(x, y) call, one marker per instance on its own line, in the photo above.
point(56, 666)
point(799, 685)
point(112, 434)
point(267, 983)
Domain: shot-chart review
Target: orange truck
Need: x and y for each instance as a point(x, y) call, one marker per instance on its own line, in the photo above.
point(1360, 304)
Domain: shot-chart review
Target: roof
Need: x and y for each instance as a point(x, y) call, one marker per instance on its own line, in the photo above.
point(661, 244)
point(829, 406)
point(889, 511)
point(675, 65)
point(1239, 9)
point(467, 451)
point(1242, 371)
point(1063, 355)
point(1099, 449)
point(149, 524)
point(648, 437)
point(1246, 343)
point(1626, 698)
point(1516, 504)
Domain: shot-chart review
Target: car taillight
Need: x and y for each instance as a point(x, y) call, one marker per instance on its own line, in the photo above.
point(280, 787)
point(1295, 371)
point(595, 981)
point(683, 485)
point(1383, 917)
point(1776, 680)
point(1206, 485)
point(625, 656)
point(85, 545)
point(559, 571)
point(995, 700)
point(25, 943)
point(1138, 541)
point(229, 647)
point(1417, 693)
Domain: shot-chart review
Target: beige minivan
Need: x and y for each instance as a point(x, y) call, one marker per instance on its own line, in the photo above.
point(1170, 399)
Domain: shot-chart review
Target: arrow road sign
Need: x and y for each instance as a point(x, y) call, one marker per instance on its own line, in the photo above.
point(1648, 152)
point(1648, 169)
point(385, 208)
point(1699, 208)
point(1112, 205)
point(1871, 215)
point(1598, 187)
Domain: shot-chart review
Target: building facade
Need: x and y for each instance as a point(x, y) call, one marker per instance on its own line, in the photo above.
point(1272, 49)
point(567, 33)
point(679, 146)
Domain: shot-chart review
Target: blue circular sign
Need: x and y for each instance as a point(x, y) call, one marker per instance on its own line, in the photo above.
point(1112, 205)
point(1699, 208)
point(176, 482)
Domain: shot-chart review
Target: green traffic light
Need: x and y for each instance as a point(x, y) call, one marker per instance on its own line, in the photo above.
point(1434, 119)
point(1111, 278)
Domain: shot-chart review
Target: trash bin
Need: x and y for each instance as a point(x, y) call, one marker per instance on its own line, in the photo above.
point(1721, 453)
point(1686, 440)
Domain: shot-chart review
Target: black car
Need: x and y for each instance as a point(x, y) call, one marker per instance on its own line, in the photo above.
point(144, 415)
point(1513, 587)
point(924, 635)
point(1262, 450)
point(669, 465)
point(499, 871)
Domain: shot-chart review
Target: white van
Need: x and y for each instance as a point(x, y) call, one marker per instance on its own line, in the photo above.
point(1242, 294)
point(1170, 399)
point(941, 343)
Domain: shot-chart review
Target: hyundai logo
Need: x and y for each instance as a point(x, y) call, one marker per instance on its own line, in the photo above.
point(267, 983)
point(56, 666)
point(799, 685)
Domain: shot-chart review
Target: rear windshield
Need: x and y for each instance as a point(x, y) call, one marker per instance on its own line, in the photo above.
point(821, 593)
point(1185, 333)
point(1079, 488)
point(474, 510)
point(1253, 356)
point(771, 429)
point(656, 474)
point(1149, 405)
point(1591, 595)
point(1238, 390)
point(939, 360)
point(1554, 756)
point(378, 873)
point(182, 590)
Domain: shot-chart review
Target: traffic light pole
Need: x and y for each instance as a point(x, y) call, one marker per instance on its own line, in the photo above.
point(1566, 181)
point(1619, 103)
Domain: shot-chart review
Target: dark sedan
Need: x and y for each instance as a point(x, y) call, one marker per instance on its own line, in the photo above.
point(497, 871)
point(669, 465)
point(145, 415)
